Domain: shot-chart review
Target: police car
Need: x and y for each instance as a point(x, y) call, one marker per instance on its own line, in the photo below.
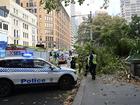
point(32, 71)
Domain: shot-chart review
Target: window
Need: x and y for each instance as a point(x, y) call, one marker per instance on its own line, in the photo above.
point(17, 63)
point(40, 64)
point(5, 26)
point(10, 63)
point(14, 21)
point(17, 12)
point(17, 22)
point(27, 5)
point(1, 25)
point(14, 33)
point(1, 13)
point(21, 4)
point(39, 16)
point(14, 10)
point(30, 4)
point(25, 43)
point(17, 42)
point(27, 63)
point(17, 33)
point(14, 41)
point(35, 10)
point(25, 26)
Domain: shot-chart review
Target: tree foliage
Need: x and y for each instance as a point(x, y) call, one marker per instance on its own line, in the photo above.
point(50, 5)
point(114, 39)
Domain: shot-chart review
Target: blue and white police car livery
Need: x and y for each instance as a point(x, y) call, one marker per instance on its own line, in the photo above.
point(32, 71)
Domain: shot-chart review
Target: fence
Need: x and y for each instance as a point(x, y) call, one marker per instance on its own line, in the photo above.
point(41, 54)
point(38, 54)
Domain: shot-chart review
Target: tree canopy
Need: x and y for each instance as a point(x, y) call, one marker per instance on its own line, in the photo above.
point(50, 5)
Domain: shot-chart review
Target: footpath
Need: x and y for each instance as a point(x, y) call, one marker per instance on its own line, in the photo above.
point(107, 91)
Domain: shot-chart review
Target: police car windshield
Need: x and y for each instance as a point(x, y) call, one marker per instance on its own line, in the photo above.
point(53, 66)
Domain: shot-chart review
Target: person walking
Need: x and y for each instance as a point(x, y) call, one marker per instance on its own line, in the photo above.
point(92, 64)
point(73, 63)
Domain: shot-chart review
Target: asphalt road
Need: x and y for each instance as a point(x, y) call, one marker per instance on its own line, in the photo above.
point(35, 96)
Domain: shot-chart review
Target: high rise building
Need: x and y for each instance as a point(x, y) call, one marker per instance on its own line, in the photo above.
point(130, 8)
point(22, 24)
point(74, 27)
point(53, 28)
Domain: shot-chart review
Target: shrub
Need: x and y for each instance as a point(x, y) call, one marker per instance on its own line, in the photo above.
point(108, 63)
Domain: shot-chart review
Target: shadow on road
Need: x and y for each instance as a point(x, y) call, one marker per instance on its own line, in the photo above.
point(37, 95)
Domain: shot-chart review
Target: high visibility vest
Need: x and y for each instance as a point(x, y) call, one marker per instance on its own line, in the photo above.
point(94, 59)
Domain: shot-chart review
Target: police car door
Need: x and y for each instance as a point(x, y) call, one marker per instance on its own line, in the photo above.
point(20, 71)
point(43, 73)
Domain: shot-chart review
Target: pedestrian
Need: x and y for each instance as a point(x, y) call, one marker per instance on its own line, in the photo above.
point(73, 63)
point(70, 53)
point(92, 64)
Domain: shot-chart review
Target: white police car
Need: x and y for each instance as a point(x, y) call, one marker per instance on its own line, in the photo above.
point(32, 71)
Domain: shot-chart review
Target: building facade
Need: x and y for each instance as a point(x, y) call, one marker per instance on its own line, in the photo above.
point(130, 8)
point(4, 23)
point(74, 26)
point(22, 24)
point(53, 27)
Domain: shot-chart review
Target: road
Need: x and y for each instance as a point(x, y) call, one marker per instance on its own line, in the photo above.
point(35, 96)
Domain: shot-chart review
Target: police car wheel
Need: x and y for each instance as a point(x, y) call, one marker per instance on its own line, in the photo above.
point(5, 88)
point(66, 82)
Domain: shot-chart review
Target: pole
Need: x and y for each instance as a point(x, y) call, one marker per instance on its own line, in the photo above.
point(91, 38)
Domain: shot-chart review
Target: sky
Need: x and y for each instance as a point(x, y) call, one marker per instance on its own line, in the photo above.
point(94, 5)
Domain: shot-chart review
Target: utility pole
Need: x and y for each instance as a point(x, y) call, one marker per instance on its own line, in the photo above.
point(90, 19)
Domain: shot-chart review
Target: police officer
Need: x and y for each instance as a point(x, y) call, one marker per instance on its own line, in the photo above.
point(73, 63)
point(92, 64)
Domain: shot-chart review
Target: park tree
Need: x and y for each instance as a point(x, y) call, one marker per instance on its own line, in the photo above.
point(111, 32)
point(135, 26)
